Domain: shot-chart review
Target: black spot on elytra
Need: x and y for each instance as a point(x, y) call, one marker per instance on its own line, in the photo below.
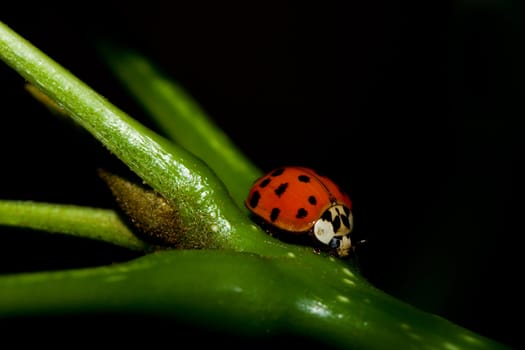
point(336, 223)
point(281, 189)
point(304, 178)
point(312, 200)
point(277, 172)
point(265, 182)
point(274, 214)
point(254, 199)
point(347, 211)
point(301, 213)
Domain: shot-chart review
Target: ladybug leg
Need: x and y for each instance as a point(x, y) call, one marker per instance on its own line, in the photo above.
point(317, 251)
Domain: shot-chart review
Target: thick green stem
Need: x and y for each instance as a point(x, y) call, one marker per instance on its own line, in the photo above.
point(182, 119)
point(253, 295)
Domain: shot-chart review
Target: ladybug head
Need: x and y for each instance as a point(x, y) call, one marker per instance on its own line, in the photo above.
point(334, 227)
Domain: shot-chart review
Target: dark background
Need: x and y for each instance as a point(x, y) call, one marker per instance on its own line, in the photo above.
point(415, 109)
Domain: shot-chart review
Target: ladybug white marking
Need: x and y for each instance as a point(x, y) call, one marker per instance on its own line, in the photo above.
point(333, 229)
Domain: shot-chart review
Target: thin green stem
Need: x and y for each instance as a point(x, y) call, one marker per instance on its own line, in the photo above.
point(93, 223)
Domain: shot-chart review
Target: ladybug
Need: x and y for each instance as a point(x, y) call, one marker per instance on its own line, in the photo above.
point(298, 201)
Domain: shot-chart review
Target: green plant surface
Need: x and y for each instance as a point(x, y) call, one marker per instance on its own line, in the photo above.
point(92, 223)
point(241, 293)
point(241, 281)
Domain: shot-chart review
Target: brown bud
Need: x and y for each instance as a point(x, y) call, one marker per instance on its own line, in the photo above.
point(150, 215)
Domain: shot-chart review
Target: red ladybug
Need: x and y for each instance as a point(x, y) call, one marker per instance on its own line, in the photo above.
point(299, 201)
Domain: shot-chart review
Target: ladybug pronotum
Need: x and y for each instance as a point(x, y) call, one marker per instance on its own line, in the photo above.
point(299, 201)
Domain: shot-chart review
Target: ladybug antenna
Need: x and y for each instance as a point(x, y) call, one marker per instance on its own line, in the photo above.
point(358, 244)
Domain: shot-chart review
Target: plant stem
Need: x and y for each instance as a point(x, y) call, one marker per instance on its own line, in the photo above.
point(92, 223)
point(181, 118)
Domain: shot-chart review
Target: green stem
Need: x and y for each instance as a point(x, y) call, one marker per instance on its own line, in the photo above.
point(182, 119)
point(242, 294)
point(93, 223)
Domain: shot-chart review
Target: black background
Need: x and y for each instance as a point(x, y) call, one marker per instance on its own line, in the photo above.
point(415, 109)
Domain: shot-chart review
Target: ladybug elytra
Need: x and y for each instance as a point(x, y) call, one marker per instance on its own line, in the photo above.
point(299, 201)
